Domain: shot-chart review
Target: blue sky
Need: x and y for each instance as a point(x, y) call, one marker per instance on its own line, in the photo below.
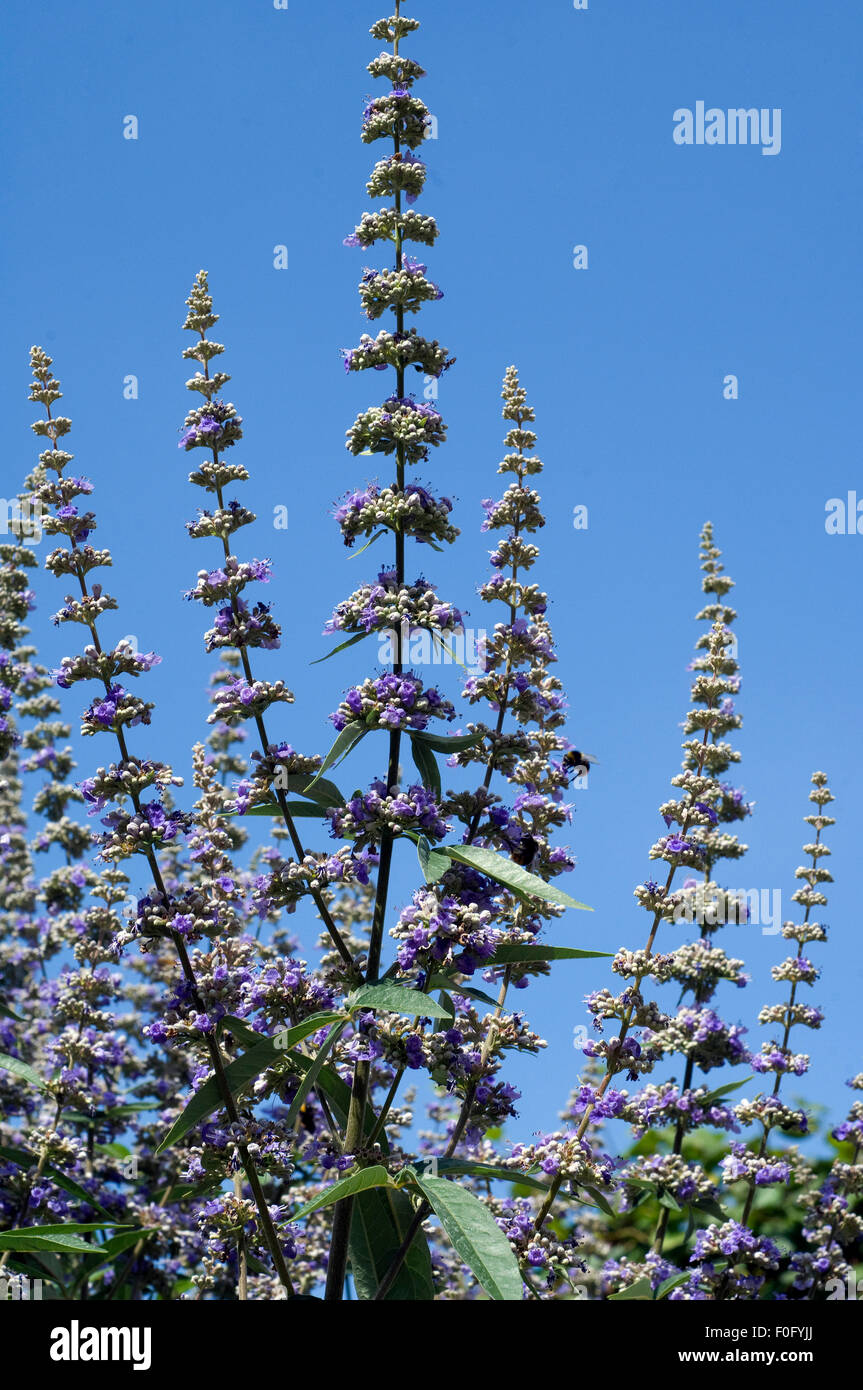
point(554, 130)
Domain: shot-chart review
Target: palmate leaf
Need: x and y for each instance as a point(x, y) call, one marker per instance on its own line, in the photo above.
point(474, 1235)
point(510, 874)
point(6, 1012)
point(240, 1073)
point(397, 999)
point(381, 1220)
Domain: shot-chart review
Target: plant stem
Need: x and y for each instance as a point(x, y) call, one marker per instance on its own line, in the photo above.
point(343, 1211)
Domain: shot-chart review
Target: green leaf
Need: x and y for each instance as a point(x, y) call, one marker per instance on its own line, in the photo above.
point(296, 809)
point(324, 792)
point(443, 982)
point(433, 864)
point(640, 1289)
point(711, 1207)
point(447, 1001)
point(309, 1080)
point(713, 1096)
point(474, 1235)
point(6, 1012)
point(427, 767)
point(338, 1095)
point(21, 1157)
point(118, 1112)
point(27, 1160)
point(348, 737)
point(240, 1073)
point(437, 637)
point(376, 1176)
point(599, 1198)
point(369, 542)
point(519, 955)
point(181, 1192)
point(673, 1282)
point(442, 743)
point(106, 1252)
point(512, 875)
point(61, 1238)
point(382, 1218)
point(35, 1268)
point(352, 641)
point(21, 1069)
point(493, 1172)
point(396, 999)
point(246, 1036)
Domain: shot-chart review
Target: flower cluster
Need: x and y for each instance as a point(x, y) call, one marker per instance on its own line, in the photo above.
point(390, 603)
point(411, 511)
point(365, 818)
point(392, 702)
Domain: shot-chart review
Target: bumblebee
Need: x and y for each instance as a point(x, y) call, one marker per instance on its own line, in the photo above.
point(578, 762)
point(525, 851)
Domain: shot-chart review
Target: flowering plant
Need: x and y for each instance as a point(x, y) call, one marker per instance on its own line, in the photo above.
point(197, 1105)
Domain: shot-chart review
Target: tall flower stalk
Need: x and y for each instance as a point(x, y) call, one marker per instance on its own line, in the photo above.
point(749, 1258)
point(136, 826)
point(644, 1033)
point(399, 427)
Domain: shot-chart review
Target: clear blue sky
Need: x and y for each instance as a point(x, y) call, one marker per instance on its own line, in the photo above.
point(555, 129)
